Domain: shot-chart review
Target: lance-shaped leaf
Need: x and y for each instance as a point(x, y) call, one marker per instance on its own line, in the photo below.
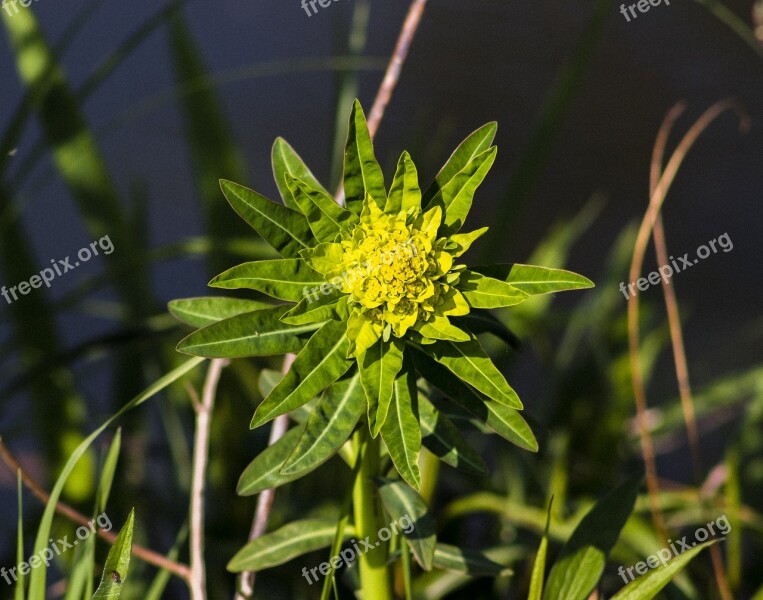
point(329, 426)
point(312, 309)
point(539, 566)
point(379, 366)
point(401, 431)
point(475, 144)
point(468, 562)
point(441, 437)
point(505, 421)
point(264, 472)
point(405, 192)
point(326, 218)
point(461, 242)
point(362, 173)
point(403, 503)
point(481, 321)
point(582, 560)
point(200, 312)
point(281, 545)
point(321, 362)
point(487, 292)
point(440, 328)
point(285, 229)
point(117, 563)
point(286, 160)
point(259, 333)
point(534, 280)
point(648, 586)
point(282, 278)
point(456, 196)
point(468, 361)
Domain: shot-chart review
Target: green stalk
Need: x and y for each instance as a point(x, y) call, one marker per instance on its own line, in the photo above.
point(374, 574)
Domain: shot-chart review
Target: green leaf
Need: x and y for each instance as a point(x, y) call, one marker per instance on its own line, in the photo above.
point(403, 502)
point(441, 437)
point(539, 567)
point(505, 421)
point(321, 362)
point(200, 312)
point(456, 196)
point(401, 431)
point(405, 192)
point(476, 143)
point(264, 472)
point(648, 586)
point(535, 281)
point(440, 328)
point(117, 563)
point(459, 243)
point(37, 581)
point(309, 310)
point(284, 229)
point(329, 426)
point(468, 361)
point(379, 366)
point(362, 173)
point(282, 278)
point(259, 333)
point(486, 292)
point(581, 562)
point(326, 218)
point(281, 545)
point(481, 321)
point(469, 562)
point(287, 161)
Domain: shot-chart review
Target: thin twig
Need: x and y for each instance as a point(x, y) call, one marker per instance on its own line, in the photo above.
point(642, 239)
point(197, 583)
point(266, 498)
point(144, 554)
point(392, 75)
point(677, 341)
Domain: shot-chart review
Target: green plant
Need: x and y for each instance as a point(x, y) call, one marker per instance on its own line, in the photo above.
point(380, 311)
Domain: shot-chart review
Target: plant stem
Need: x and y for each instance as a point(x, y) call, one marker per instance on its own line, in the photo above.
point(374, 574)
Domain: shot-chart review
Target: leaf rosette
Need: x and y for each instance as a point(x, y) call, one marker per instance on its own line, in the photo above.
point(378, 305)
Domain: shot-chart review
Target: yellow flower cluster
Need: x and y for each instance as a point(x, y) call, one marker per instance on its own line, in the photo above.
point(401, 276)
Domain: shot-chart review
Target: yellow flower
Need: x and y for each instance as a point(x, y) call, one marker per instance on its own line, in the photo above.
point(397, 275)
